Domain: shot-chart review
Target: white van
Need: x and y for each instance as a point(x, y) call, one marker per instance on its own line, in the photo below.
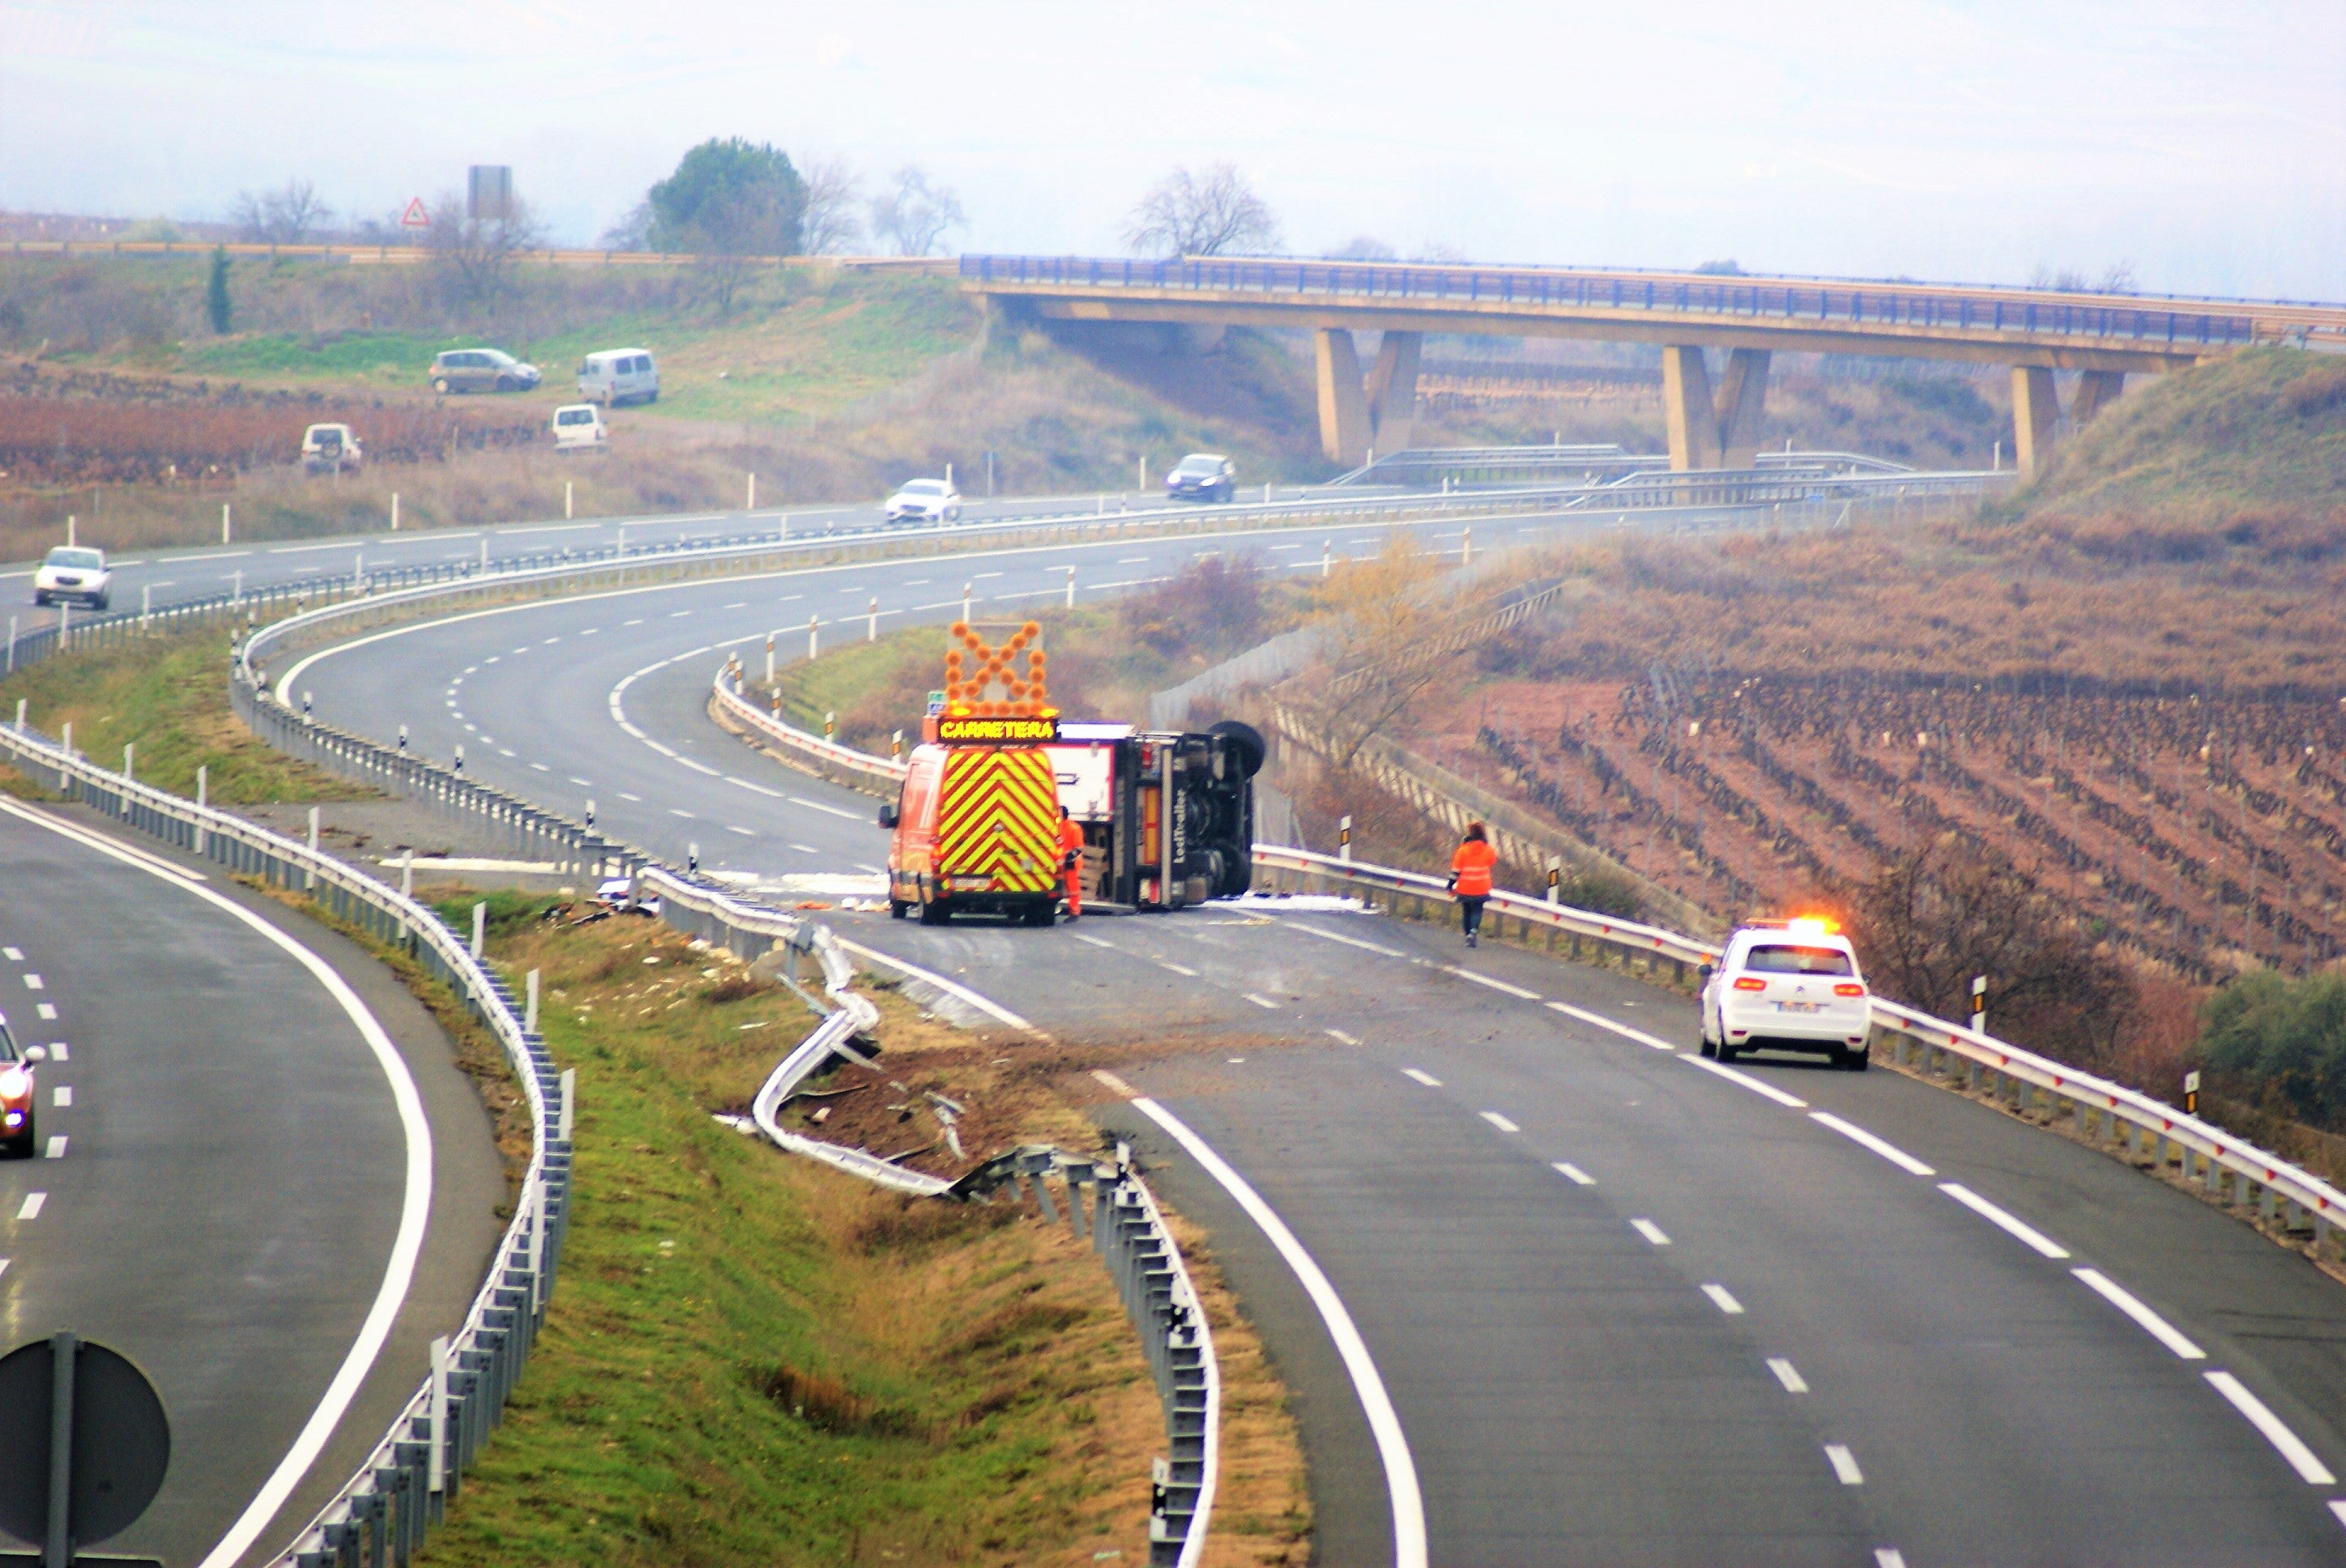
point(579, 427)
point(614, 376)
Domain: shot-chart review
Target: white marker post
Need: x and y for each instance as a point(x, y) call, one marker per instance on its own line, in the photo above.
point(1979, 1003)
point(309, 874)
point(203, 791)
point(1071, 587)
point(770, 658)
point(395, 511)
point(436, 1458)
point(228, 525)
point(812, 647)
point(570, 509)
point(529, 1012)
point(1344, 838)
point(480, 928)
point(872, 632)
point(1327, 555)
point(751, 502)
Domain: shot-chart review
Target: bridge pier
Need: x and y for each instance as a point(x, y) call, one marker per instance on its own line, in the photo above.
point(1707, 432)
point(2036, 409)
point(1361, 415)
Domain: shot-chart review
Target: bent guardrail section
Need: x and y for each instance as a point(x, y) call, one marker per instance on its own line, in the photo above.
point(381, 1515)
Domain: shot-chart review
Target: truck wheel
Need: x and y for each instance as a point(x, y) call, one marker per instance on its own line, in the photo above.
point(1043, 914)
point(935, 913)
point(896, 907)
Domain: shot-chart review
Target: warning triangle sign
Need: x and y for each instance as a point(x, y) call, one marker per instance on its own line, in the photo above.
point(415, 216)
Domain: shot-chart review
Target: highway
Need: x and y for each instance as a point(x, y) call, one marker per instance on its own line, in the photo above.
point(1731, 1331)
point(261, 1175)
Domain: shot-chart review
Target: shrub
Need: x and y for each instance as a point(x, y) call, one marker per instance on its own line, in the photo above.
point(2283, 1039)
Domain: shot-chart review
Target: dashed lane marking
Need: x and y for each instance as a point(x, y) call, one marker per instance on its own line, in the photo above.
point(60, 1052)
point(31, 1207)
point(1263, 1002)
point(1339, 1037)
point(1650, 1231)
point(819, 806)
point(1347, 941)
point(1598, 1019)
point(1757, 1085)
point(32, 982)
point(1844, 1464)
point(62, 1097)
point(1721, 1299)
point(1177, 969)
point(1888, 1151)
point(2036, 1239)
point(48, 1010)
point(1428, 1079)
point(2301, 1459)
point(12, 954)
point(1092, 940)
point(2150, 1322)
point(1788, 1375)
point(58, 1146)
point(1500, 1122)
point(1574, 1173)
point(1494, 984)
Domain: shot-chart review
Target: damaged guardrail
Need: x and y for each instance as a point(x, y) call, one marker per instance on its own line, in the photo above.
point(381, 1515)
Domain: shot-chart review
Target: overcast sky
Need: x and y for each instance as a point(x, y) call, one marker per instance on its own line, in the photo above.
point(1964, 139)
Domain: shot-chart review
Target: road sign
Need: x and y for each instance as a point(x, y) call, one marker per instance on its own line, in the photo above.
point(415, 217)
point(84, 1443)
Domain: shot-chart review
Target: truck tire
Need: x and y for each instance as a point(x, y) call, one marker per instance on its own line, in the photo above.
point(1245, 740)
point(935, 913)
point(1044, 914)
point(896, 907)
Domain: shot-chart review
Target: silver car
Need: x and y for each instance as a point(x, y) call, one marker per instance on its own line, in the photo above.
point(925, 501)
point(74, 574)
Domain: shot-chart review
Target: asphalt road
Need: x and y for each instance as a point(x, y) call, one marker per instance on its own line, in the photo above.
point(1746, 1335)
point(220, 1190)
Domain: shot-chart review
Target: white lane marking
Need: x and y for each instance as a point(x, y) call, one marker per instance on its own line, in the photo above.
point(31, 1207)
point(1888, 1151)
point(680, 811)
point(62, 1097)
point(306, 549)
point(1494, 985)
point(819, 806)
point(1261, 1001)
point(973, 577)
point(2151, 1323)
point(1650, 1231)
point(1175, 968)
point(1574, 1173)
point(57, 1147)
point(806, 849)
point(4, 1265)
point(700, 767)
point(2044, 1245)
point(1788, 1375)
point(1500, 1122)
point(1347, 941)
point(1392, 1446)
point(757, 788)
point(60, 1052)
point(12, 954)
point(1339, 1037)
point(745, 832)
point(541, 766)
point(1725, 1302)
point(586, 783)
point(1092, 940)
point(415, 1208)
point(1844, 1464)
point(1639, 1035)
point(638, 799)
point(32, 982)
point(48, 1010)
point(2337, 1508)
point(1757, 1085)
point(954, 988)
point(636, 622)
point(2301, 1459)
point(547, 528)
point(1428, 1079)
point(1889, 1557)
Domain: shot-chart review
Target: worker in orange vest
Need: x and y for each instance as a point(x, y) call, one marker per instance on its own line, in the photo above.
point(1470, 876)
point(1071, 861)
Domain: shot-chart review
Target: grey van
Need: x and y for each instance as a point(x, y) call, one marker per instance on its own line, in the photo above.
point(614, 376)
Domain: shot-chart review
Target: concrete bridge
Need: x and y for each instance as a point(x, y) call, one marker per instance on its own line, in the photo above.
point(1712, 424)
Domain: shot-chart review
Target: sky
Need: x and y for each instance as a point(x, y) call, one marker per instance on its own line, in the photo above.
point(1966, 140)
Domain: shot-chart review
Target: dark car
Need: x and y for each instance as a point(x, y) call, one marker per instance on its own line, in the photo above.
point(1202, 476)
point(481, 371)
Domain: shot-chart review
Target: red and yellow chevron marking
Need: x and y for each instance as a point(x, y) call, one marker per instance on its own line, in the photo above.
point(998, 816)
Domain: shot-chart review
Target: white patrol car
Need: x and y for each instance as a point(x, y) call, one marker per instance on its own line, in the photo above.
point(1790, 985)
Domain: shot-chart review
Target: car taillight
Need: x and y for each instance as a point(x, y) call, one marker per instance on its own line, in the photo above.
point(1749, 983)
point(1849, 989)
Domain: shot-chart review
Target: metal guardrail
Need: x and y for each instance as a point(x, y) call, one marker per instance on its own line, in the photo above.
point(381, 1515)
point(418, 254)
point(1457, 465)
point(2108, 1113)
point(1794, 302)
point(846, 765)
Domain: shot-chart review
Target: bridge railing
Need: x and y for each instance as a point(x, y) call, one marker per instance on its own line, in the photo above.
point(1819, 303)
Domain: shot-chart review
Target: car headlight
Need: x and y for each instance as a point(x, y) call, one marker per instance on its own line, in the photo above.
point(15, 1084)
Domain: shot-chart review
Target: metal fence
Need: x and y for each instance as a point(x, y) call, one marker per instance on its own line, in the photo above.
point(381, 1515)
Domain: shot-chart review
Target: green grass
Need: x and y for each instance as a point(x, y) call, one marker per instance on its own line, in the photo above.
point(168, 695)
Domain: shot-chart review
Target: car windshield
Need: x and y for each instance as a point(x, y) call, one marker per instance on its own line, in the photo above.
point(574, 417)
point(497, 357)
point(1798, 961)
point(7, 1045)
point(84, 560)
point(1199, 465)
point(925, 487)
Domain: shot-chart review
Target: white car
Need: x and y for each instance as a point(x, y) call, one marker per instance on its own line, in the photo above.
point(1791, 985)
point(925, 501)
point(329, 449)
point(579, 427)
point(76, 574)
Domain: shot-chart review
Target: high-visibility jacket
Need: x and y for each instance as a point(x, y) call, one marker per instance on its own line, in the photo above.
point(1471, 864)
point(1071, 842)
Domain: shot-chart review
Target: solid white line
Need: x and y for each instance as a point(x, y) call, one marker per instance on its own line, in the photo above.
point(1392, 1446)
point(1261, 1001)
point(1888, 1151)
point(1844, 1464)
point(819, 806)
point(1724, 1301)
point(2044, 1244)
point(31, 1207)
point(1788, 1375)
point(1428, 1079)
point(2156, 1327)
point(984, 1005)
point(1574, 1175)
point(415, 1208)
point(1092, 940)
point(1347, 941)
point(2301, 1459)
point(1650, 1231)
point(1639, 1035)
point(1339, 1037)
point(1757, 1085)
point(58, 1146)
point(1500, 1122)
point(1494, 985)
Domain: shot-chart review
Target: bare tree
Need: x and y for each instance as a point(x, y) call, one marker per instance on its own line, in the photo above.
point(1210, 213)
point(632, 231)
point(1365, 248)
point(1393, 640)
point(830, 222)
point(2118, 278)
point(914, 214)
point(475, 256)
point(286, 216)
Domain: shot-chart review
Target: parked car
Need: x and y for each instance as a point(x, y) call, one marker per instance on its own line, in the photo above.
point(614, 376)
point(1202, 476)
point(480, 370)
point(76, 574)
point(579, 427)
point(925, 501)
point(329, 449)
